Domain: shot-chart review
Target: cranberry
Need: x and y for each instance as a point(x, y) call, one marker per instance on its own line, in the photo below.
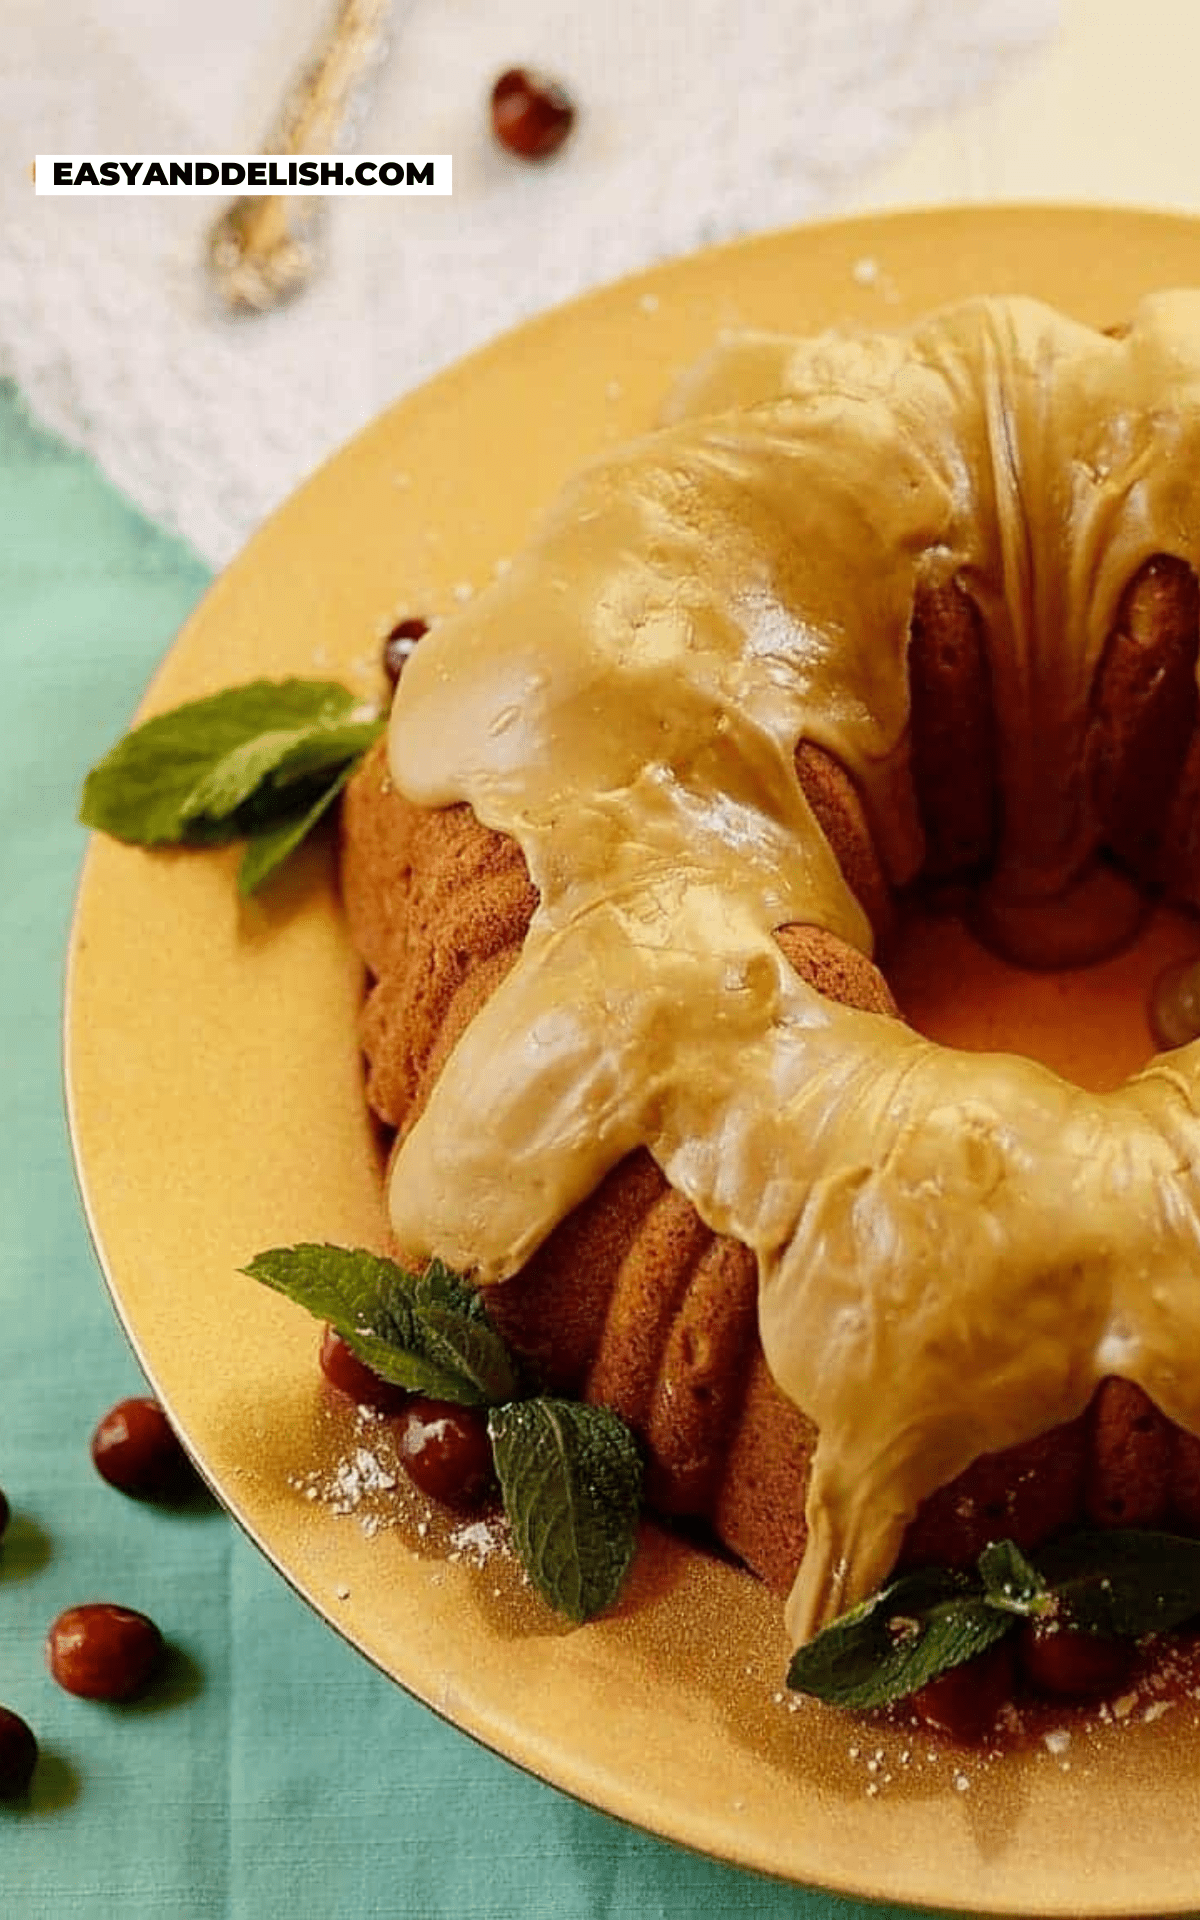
point(135, 1449)
point(344, 1370)
point(531, 114)
point(1072, 1663)
point(447, 1451)
point(103, 1652)
point(399, 644)
point(18, 1755)
point(965, 1701)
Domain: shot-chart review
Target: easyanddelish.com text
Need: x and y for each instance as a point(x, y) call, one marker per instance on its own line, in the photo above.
point(423, 173)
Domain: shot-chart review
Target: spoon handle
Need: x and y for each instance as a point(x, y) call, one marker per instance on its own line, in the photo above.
point(262, 251)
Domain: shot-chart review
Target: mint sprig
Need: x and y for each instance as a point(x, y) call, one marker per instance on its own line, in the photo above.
point(261, 762)
point(1124, 1582)
point(570, 1474)
point(427, 1332)
point(1121, 1582)
point(919, 1626)
point(571, 1477)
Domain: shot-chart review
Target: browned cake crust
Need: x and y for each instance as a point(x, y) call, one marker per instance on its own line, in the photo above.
point(953, 731)
point(1144, 707)
point(632, 1301)
point(842, 818)
point(438, 907)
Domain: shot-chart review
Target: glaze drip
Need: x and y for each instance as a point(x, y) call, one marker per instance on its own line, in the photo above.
point(953, 1249)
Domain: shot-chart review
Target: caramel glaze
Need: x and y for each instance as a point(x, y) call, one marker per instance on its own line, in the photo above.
point(953, 1249)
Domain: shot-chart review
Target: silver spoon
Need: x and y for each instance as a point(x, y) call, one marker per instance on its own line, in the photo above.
point(263, 249)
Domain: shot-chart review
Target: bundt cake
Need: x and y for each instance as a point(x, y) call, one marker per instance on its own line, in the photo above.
point(864, 611)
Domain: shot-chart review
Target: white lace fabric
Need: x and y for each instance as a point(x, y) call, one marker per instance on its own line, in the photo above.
point(698, 121)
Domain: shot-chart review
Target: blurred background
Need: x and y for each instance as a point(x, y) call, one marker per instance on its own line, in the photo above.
point(694, 122)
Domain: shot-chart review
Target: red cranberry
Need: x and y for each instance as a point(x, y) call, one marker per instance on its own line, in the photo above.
point(135, 1449)
point(447, 1451)
point(344, 1370)
point(965, 1701)
point(1071, 1663)
point(18, 1755)
point(531, 114)
point(103, 1652)
point(399, 644)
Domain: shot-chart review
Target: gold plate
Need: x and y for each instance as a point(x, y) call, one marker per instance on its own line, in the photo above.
point(216, 1109)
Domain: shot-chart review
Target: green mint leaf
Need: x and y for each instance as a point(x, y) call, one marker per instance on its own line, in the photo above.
point(363, 1290)
point(259, 779)
point(440, 1286)
point(327, 747)
point(1012, 1583)
point(905, 1635)
point(472, 1350)
point(269, 846)
point(571, 1477)
point(230, 781)
point(1123, 1581)
point(370, 1301)
point(143, 790)
point(455, 1332)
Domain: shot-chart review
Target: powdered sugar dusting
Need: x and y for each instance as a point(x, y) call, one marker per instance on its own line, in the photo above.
point(479, 1540)
point(363, 1480)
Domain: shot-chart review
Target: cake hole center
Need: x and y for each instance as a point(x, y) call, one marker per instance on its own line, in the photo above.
point(1089, 1024)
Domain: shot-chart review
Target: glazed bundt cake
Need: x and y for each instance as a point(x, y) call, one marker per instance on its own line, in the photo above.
point(865, 611)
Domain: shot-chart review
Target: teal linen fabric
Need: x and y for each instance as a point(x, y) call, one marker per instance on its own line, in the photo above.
point(276, 1773)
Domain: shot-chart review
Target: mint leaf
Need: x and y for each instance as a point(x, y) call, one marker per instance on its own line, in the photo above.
point(357, 1287)
point(228, 782)
point(571, 1477)
point(902, 1637)
point(144, 789)
point(440, 1286)
point(1011, 1583)
point(268, 767)
point(375, 1306)
point(1122, 1580)
point(455, 1333)
point(326, 747)
point(269, 847)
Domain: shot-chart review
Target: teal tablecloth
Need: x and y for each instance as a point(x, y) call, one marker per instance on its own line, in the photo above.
point(277, 1773)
